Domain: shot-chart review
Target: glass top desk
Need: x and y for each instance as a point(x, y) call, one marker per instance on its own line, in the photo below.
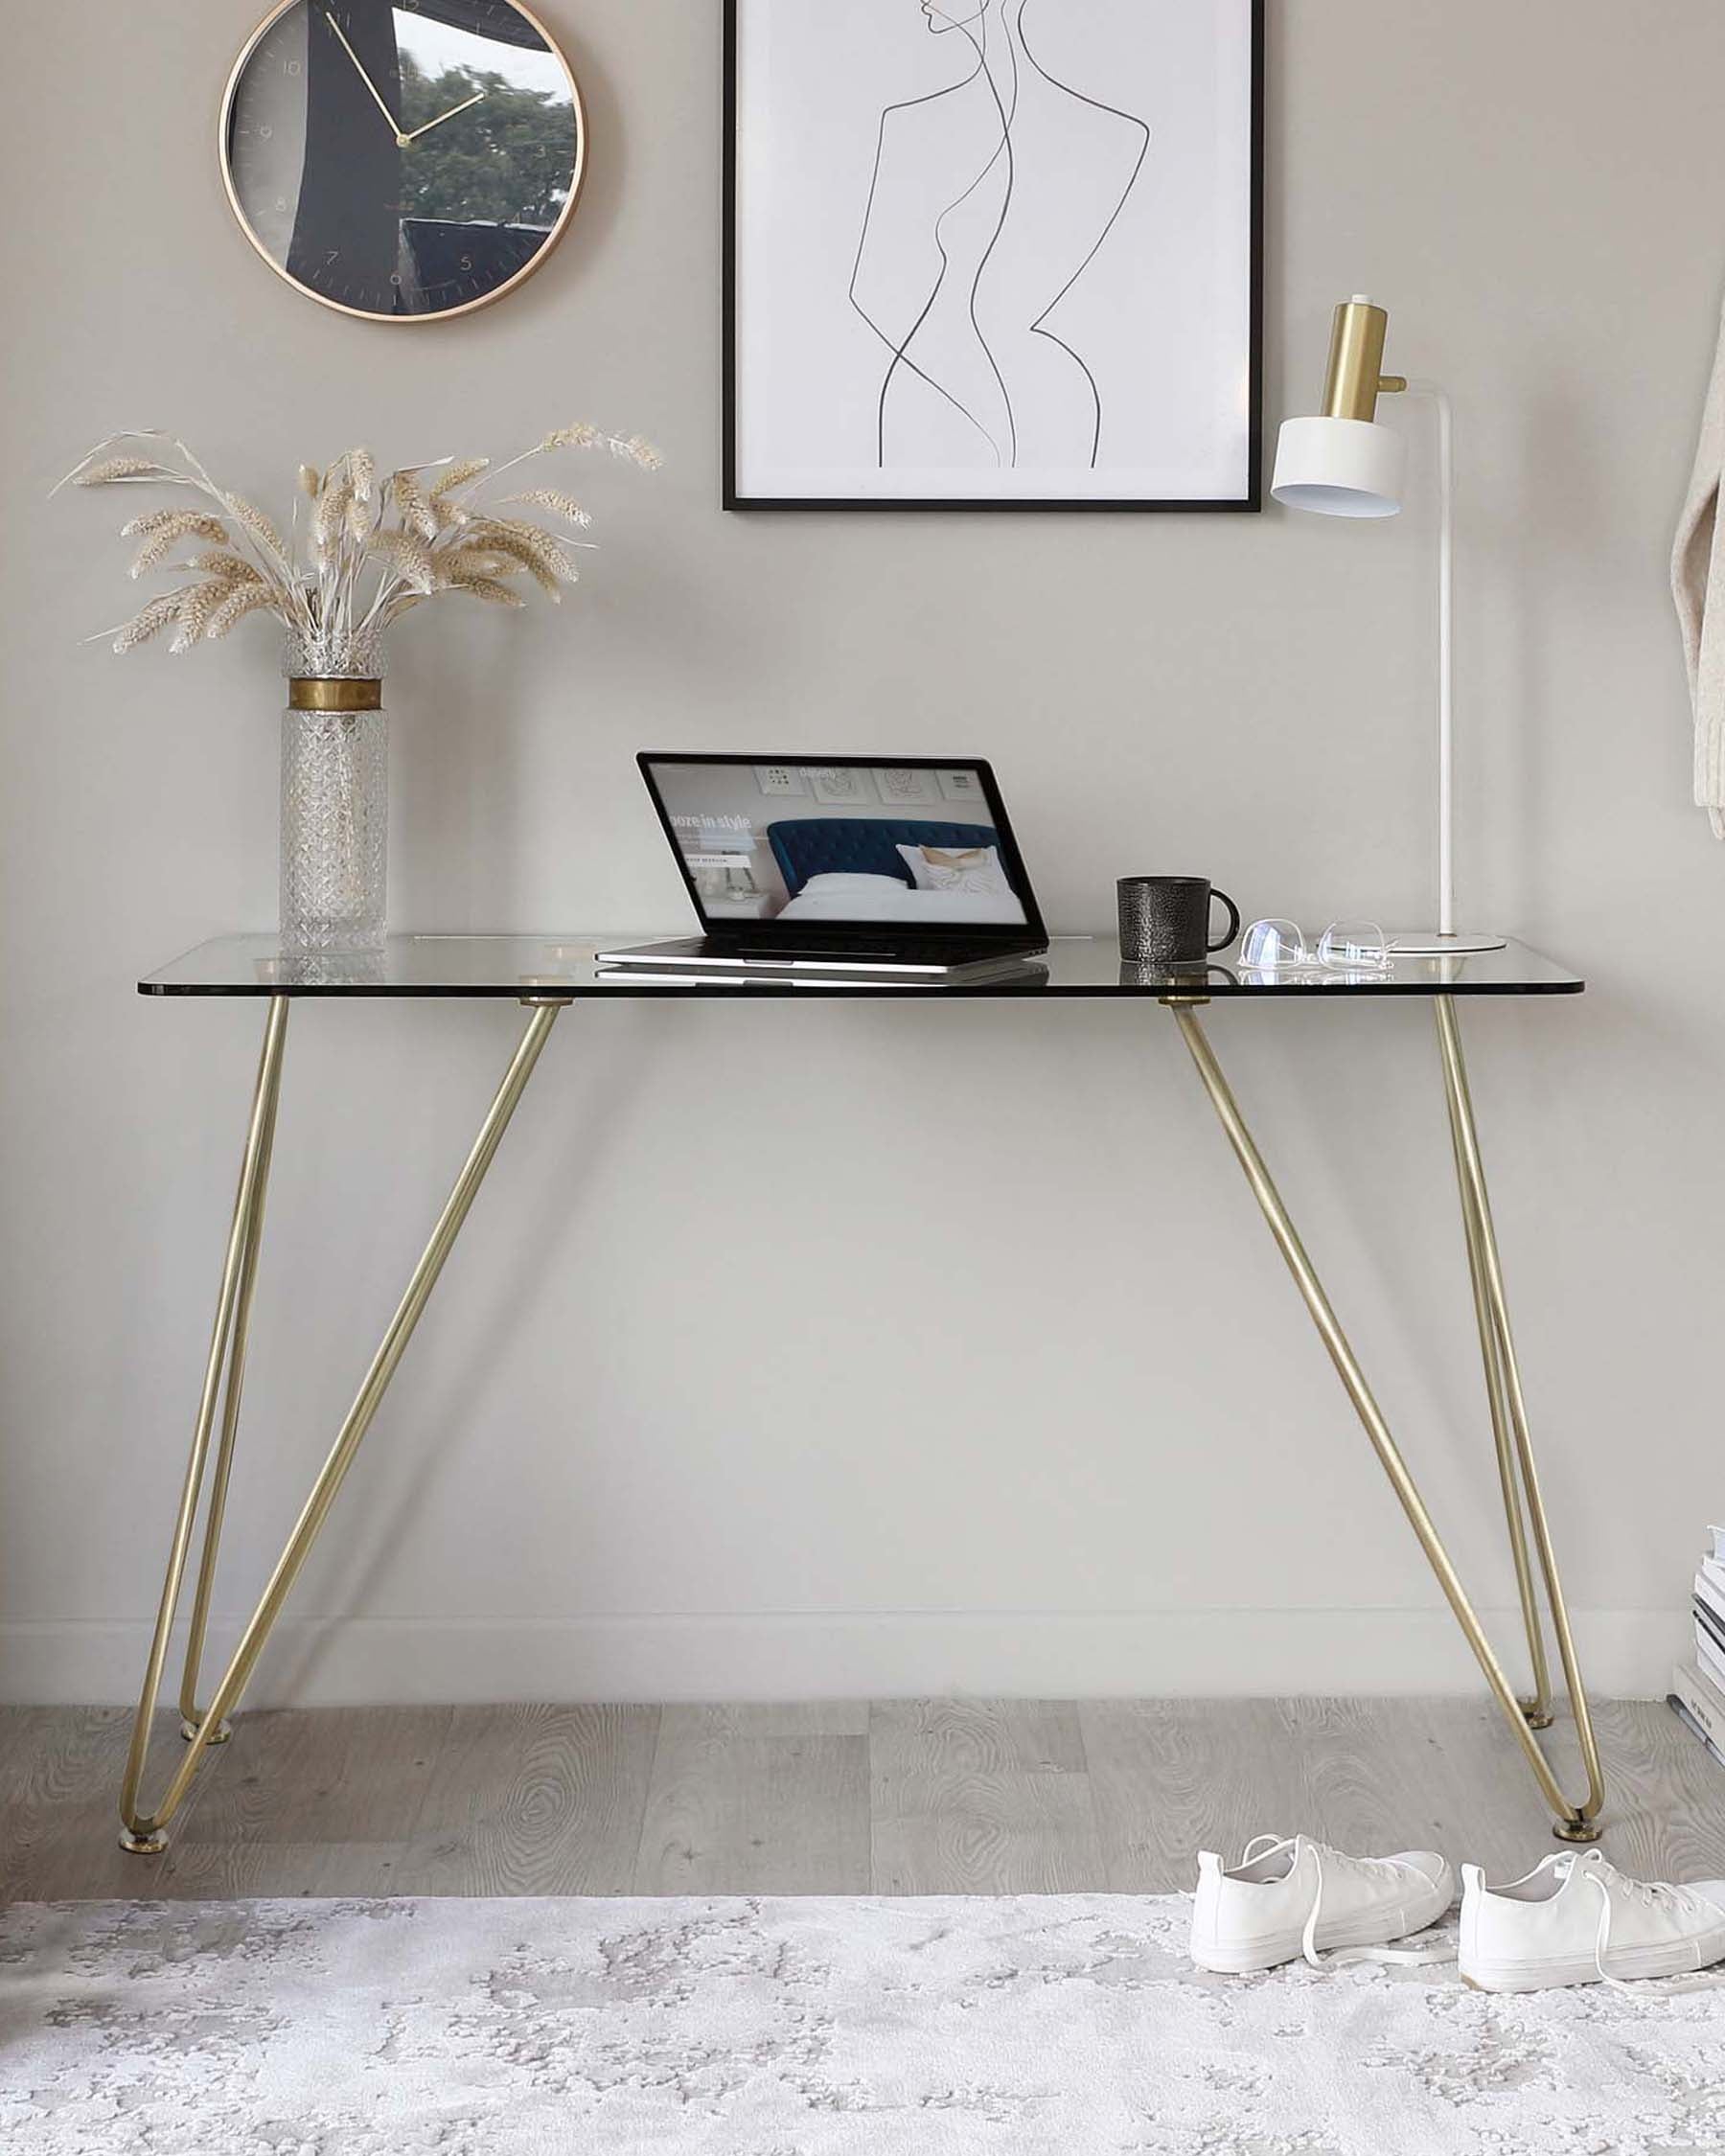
point(545, 975)
point(516, 968)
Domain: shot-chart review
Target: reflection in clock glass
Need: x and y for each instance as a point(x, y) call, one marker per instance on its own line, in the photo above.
point(402, 157)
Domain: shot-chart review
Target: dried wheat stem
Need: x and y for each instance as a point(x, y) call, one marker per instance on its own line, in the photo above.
point(413, 505)
point(185, 521)
point(560, 505)
point(460, 474)
point(410, 533)
point(488, 589)
point(146, 623)
point(195, 609)
point(171, 526)
point(243, 600)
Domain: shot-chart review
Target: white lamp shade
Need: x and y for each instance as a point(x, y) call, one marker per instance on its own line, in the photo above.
point(1339, 467)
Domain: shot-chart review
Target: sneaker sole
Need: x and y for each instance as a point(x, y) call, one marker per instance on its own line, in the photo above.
point(1635, 1963)
point(1250, 1956)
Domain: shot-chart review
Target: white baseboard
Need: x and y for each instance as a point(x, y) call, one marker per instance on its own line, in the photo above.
point(845, 1655)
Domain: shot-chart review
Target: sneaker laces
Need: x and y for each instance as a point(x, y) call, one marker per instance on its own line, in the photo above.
point(1651, 1894)
point(1325, 1861)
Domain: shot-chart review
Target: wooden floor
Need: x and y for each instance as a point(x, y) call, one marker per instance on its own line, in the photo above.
point(898, 1797)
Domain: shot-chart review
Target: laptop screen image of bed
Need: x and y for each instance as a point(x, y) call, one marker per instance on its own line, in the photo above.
point(792, 860)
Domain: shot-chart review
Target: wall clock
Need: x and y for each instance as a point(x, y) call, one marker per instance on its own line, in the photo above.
point(404, 160)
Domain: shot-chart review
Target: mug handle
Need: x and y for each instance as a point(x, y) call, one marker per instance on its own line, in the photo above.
point(1233, 928)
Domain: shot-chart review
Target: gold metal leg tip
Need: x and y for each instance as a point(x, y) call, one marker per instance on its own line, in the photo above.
point(142, 1845)
point(1576, 1829)
point(1535, 1717)
point(219, 1735)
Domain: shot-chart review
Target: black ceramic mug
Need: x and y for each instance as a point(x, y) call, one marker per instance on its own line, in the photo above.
point(1165, 920)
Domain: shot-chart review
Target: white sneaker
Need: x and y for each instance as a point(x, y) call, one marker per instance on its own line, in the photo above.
point(1575, 1919)
point(1285, 1898)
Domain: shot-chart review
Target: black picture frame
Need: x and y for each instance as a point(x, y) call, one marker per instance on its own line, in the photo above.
point(1250, 503)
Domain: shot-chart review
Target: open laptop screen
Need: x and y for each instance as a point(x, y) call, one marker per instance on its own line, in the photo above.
point(848, 843)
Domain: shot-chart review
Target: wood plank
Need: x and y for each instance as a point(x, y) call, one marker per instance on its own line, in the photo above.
point(1666, 1795)
point(526, 1800)
point(1382, 1774)
point(756, 1800)
point(980, 1797)
point(967, 1797)
point(1172, 1776)
point(332, 1774)
point(317, 1801)
point(60, 1796)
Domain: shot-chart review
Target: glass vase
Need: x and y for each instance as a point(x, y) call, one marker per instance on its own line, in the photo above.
point(335, 798)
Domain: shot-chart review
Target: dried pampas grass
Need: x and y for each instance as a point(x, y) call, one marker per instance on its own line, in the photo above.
point(413, 505)
point(329, 516)
point(241, 600)
point(197, 608)
point(183, 523)
point(373, 547)
point(537, 552)
point(489, 589)
point(460, 474)
point(252, 520)
point(412, 558)
point(565, 506)
point(227, 568)
point(144, 623)
point(168, 532)
point(117, 469)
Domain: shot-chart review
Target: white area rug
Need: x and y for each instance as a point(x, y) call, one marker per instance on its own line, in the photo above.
point(1067, 2026)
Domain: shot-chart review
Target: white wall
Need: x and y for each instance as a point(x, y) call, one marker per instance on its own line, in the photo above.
point(839, 1349)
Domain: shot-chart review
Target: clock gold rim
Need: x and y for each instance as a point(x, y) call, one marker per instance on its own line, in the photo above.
point(360, 313)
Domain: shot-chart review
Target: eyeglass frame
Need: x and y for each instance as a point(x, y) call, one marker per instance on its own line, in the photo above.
point(1319, 963)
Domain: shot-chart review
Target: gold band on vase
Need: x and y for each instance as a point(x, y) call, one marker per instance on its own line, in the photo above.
point(332, 693)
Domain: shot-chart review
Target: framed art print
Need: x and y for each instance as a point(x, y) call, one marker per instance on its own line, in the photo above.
point(903, 783)
point(993, 254)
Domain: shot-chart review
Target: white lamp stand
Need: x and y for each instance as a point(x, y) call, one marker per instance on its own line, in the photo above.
point(1343, 464)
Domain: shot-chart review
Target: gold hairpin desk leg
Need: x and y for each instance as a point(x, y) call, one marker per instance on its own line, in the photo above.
point(144, 1830)
point(1573, 1821)
point(1498, 1345)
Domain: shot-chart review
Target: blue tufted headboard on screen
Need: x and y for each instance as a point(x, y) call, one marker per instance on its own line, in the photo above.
point(806, 846)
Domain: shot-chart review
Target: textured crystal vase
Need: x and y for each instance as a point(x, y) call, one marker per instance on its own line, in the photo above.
point(335, 798)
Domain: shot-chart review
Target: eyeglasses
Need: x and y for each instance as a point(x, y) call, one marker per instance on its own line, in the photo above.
point(1279, 949)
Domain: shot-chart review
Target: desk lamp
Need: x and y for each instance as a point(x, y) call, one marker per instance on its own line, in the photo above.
point(1343, 464)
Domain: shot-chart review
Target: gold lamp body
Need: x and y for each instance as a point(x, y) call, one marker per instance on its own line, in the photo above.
point(1355, 377)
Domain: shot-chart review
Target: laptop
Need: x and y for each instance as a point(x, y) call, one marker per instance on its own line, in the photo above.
point(840, 869)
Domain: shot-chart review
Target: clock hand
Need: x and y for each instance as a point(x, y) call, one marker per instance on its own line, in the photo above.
point(395, 126)
point(441, 117)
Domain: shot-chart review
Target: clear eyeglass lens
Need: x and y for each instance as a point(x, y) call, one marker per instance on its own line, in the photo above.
point(1353, 944)
point(1269, 944)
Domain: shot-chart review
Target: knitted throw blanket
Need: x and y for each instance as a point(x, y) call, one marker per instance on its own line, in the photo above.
point(1698, 586)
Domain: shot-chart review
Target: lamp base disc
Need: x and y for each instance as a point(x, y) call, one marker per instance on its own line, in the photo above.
point(1429, 943)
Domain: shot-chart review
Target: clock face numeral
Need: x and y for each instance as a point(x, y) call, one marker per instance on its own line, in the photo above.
point(393, 163)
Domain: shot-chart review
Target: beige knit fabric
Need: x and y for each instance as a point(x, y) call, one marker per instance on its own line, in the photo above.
point(1698, 586)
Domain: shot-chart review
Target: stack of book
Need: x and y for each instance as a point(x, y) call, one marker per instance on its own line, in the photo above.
point(1698, 1688)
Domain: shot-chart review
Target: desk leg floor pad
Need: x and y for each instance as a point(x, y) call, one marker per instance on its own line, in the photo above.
point(795, 2027)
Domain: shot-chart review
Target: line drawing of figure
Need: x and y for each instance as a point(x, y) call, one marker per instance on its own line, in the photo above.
point(955, 273)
